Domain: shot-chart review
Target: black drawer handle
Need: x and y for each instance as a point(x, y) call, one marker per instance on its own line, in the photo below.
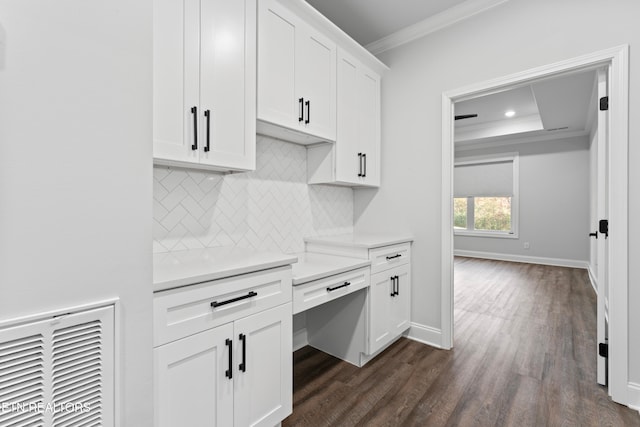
point(207, 146)
point(364, 157)
point(344, 285)
point(308, 104)
point(393, 286)
point(394, 256)
point(360, 164)
point(194, 111)
point(229, 372)
point(243, 365)
point(229, 301)
point(301, 110)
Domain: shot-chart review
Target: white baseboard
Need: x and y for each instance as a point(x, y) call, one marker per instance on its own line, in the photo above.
point(300, 339)
point(559, 262)
point(634, 396)
point(425, 334)
point(593, 280)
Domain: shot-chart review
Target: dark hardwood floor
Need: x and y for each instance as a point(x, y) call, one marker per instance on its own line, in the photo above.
point(524, 355)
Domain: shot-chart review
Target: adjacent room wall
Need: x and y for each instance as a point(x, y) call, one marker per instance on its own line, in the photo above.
point(75, 172)
point(554, 204)
point(271, 208)
point(515, 36)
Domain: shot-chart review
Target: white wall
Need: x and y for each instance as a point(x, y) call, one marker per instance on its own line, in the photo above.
point(75, 169)
point(271, 208)
point(554, 202)
point(515, 36)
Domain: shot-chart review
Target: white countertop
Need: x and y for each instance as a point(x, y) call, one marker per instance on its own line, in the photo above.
point(368, 241)
point(182, 268)
point(312, 266)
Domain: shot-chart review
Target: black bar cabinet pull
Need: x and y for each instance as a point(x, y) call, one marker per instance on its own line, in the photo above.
point(229, 301)
point(243, 365)
point(394, 256)
point(594, 234)
point(194, 111)
point(344, 285)
point(301, 105)
point(207, 114)
point(397, 291)
point(393, 286)
point(308, 104)
point(229, 372)
point(360, 164)
point(364, 157)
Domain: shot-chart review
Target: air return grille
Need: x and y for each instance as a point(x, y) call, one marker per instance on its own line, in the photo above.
point(77, 374)
point(59, 372)
point(22, 381)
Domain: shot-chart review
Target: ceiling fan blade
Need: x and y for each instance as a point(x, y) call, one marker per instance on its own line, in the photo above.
point(466, 116)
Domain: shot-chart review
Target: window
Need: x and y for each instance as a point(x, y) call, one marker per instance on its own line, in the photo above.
point(485, 196)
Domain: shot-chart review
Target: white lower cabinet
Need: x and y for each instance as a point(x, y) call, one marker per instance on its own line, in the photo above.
point(263, 378)
point(191, 385)
point(389, 306)
point(235, 374)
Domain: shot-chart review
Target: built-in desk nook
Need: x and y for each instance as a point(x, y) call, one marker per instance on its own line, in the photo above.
point(351, 295)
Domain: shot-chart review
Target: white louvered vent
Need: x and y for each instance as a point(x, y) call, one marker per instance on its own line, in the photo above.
point(22, 381)
point(77, 375)
point(59, 372)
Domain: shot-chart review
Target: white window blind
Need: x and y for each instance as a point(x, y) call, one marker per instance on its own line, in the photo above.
point(484, 179)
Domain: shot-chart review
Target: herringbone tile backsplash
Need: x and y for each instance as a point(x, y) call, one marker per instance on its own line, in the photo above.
point(271, 208)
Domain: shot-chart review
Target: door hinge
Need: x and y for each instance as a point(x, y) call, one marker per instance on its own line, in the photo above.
point(603, 350)
point(604, 103)
point(603, 227)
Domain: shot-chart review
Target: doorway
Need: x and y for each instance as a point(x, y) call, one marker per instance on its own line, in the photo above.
point(616, 61)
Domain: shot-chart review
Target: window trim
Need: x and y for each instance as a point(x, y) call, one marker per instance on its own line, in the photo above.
point(515, 198)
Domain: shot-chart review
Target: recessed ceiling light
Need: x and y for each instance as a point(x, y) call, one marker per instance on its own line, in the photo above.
point(510, 113)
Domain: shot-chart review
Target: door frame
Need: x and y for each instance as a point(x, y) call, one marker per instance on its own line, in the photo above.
point(617, 59)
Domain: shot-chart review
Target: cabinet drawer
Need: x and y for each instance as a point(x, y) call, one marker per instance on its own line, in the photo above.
point(185, 311)
point(318, 292)
point(389, 256)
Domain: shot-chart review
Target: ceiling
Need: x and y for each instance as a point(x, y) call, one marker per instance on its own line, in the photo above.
point(367, 21)
point(546, 109)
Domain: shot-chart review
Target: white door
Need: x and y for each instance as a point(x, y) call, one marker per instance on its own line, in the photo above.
point(263, 367)
point(369, 85)
point(176, 53)
point(401, 301)
point(277, 102)
point(193, 383)
point(380, 292)
point(316, 82)
point(347, 154)
point(227, 83)
point(602, 202)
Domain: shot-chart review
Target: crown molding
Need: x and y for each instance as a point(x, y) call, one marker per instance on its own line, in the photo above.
point(434, 23)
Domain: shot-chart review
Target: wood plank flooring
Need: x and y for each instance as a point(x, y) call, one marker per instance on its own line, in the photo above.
point(524, 355)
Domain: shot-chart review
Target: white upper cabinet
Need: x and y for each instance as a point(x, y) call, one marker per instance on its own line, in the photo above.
point(204, 76)
point(296, 77)
point(354, 160)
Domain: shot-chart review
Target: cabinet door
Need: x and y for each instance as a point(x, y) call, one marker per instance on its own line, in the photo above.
point(347, 155)
point(277, 102)
point(191, 385)
point(401, 303)
point(227, 83)
point(369, 125)
point(263, 377)
point(315, 57)
point(176, 52)
point(379, 311)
